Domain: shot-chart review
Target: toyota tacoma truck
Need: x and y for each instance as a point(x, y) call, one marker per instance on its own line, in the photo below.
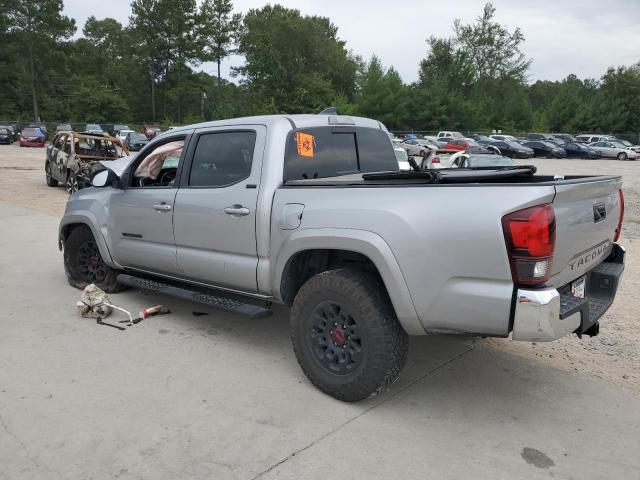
point(311, 211)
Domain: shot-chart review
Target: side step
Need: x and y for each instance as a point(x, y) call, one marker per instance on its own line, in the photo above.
point(211, 300)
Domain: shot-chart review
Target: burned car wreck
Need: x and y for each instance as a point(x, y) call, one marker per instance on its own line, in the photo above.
point(73, 158)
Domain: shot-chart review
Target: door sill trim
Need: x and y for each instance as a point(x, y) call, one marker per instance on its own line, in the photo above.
point(202, 284)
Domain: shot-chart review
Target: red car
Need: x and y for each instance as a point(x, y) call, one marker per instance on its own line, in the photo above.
point(151, 131)
point(32, 137)
point(459, 145)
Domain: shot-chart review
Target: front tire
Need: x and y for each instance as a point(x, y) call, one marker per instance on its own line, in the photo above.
point(72, 183)
point(83, 263)
point(346, 336)
point(52, 182)
point(622, 156)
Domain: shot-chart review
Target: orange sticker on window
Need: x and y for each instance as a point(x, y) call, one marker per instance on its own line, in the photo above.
point(304, 142)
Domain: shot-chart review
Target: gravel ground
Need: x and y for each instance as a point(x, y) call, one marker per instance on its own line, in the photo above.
point(613, 356)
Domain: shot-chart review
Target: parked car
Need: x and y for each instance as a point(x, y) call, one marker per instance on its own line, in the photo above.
point(580, 150)
point(539, 136)
point(564, 138)
point(591, 138)
point(511, 148)
point(477, 137)
point(135, 141)
point(63, 127)
point(627, 144)
point(117, 128)
point(613, 150)
point(5, 136)
point(546, 149)
point(122, 134)
point(418, 147)
point(503, 138)
point(448, 135)
point(12, 132)
point(42, 127)
point(459, 144)
point(72, 158)
point(32, 137)
point(402, 157)
point(532, 263)
point(94, 128)
point(481, 160)
point(151, 131)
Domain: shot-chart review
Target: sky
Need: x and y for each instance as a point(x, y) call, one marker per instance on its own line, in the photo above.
point(583, 37)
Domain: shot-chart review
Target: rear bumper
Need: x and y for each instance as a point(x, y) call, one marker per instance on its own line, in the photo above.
point(548, 314)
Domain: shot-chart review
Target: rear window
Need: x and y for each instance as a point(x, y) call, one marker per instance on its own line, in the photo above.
point(322, 152)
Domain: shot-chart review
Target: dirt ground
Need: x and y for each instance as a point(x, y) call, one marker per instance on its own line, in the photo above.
point(613, 356)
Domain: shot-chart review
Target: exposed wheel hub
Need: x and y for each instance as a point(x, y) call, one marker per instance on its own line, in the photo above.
point(334, 338)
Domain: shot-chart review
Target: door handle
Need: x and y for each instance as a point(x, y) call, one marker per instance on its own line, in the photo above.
point(162, 207)
point(237, 210)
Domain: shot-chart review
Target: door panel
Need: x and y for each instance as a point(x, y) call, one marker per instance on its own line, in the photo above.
point(142, 235)
point(215, 224)
point(141, 228)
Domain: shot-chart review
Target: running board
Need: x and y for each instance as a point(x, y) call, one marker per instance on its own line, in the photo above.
point(216, 301)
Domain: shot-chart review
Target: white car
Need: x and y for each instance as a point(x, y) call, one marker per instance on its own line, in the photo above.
point(610, 149)
point(122, 134)
point(592, 138)
point(475, 160)
point(418, 147)
point(402, 157)
point(447, 135)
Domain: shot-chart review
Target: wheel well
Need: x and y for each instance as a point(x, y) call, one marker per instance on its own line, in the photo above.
point(67, 229)
point(304, 265)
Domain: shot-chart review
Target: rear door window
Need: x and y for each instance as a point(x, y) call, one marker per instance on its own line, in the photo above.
point(222, 159)
point(321, 152)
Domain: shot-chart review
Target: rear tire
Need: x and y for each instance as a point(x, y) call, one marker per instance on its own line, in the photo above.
point(622, 156)
point(83, 263)
point(52, 182)
point(346, 336)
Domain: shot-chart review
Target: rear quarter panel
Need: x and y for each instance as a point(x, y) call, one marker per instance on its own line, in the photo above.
point(447, 241)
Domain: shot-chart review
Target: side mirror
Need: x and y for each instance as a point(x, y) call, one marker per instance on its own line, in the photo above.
point(105, 178)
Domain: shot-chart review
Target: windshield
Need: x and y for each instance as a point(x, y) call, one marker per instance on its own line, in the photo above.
point(32, 131)
point(137, 137)
point(4, 130)
point(421, 141)
point(513, 144)
point(93, 126)
point(624, 143)
point(549, 144)
point(488, 161)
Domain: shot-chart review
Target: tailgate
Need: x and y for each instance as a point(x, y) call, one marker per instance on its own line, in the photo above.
point(587, 213)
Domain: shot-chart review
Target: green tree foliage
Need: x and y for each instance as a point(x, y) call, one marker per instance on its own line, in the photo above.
point(146, 71)
point(294, 63)
point(35, 27)
point(380, 94)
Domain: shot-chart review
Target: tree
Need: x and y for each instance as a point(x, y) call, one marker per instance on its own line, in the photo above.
point(165, 30)
point(294, 63)
point(37, 26)
point(622, 85)
point(218, 29)
point(492, 50)
point(381, 95)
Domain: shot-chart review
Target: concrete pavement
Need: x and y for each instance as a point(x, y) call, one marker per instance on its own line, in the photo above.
point(221, 396)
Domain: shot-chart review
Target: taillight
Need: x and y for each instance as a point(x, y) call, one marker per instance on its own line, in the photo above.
point(530, 235)
point(435, 160)
point(620, 218)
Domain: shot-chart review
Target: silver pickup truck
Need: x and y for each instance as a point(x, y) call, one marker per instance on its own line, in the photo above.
point(311, 211)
